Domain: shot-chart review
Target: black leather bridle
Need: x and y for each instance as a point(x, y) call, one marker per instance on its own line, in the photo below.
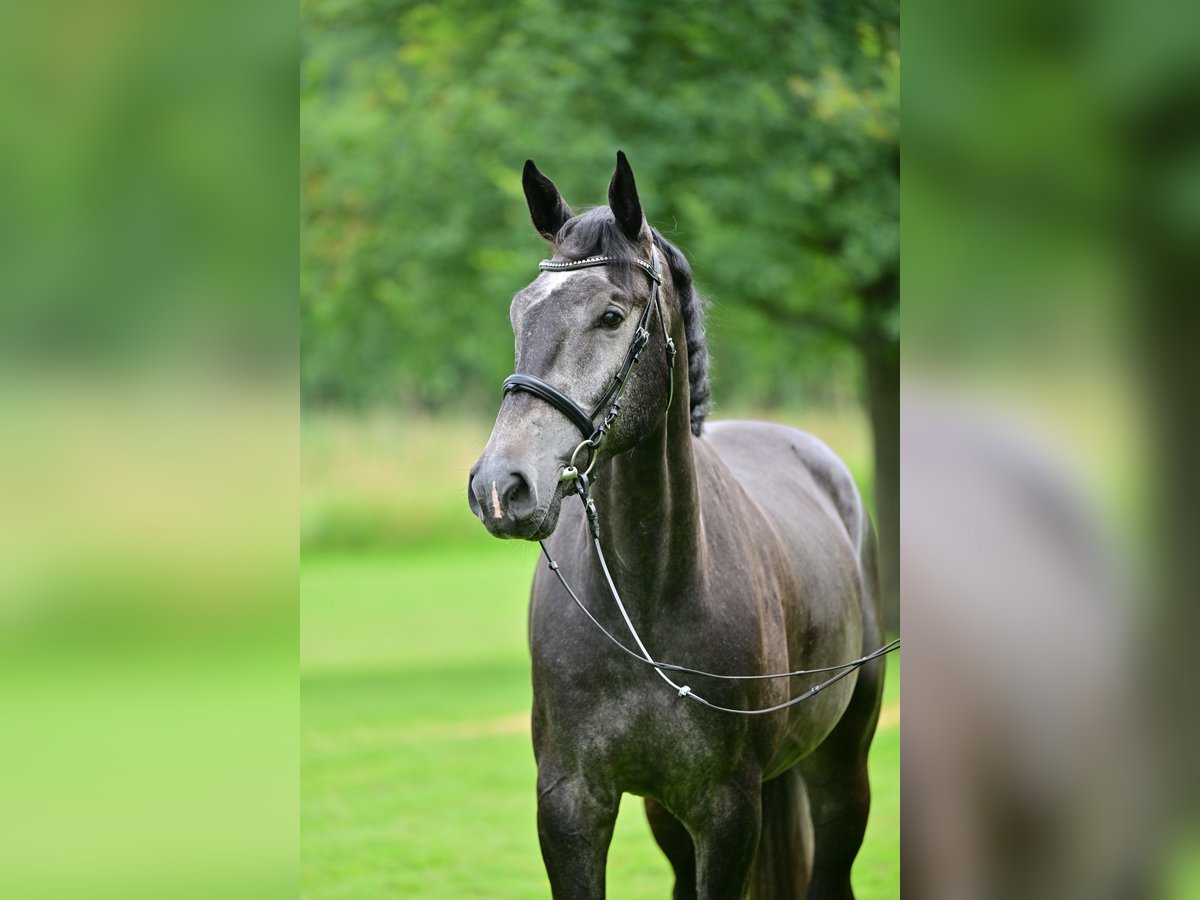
point(585, 421)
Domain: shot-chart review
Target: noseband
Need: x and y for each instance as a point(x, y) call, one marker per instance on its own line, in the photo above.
point(593, 435)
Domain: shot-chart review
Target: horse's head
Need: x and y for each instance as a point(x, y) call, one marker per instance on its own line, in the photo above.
point(574, 330)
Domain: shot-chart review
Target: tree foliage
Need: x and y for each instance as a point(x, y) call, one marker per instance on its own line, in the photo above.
point(764, 137)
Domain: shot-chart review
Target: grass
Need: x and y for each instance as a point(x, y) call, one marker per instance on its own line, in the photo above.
point(417, 773)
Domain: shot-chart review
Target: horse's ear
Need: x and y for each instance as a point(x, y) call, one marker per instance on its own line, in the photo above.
point(546, 206)
point(623, 199)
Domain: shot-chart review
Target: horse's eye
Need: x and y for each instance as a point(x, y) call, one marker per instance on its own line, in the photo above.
point(612, 319)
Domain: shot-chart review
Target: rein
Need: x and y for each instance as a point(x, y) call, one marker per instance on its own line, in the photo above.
point(593, 437)
point(843, 669)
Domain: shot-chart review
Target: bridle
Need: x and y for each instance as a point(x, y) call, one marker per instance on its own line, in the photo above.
point(593, 437)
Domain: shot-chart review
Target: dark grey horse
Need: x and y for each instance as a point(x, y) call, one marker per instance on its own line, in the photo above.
point(738, 547)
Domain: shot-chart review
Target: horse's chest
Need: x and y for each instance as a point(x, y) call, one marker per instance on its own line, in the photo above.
point(645, 738)
point(598, 711)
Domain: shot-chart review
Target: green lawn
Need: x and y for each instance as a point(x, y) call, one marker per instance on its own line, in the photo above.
point(417, 772)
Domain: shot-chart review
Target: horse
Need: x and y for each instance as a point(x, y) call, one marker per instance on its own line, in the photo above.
point(739, 547)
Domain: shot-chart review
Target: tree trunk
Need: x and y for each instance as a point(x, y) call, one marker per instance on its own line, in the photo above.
point(881, 365)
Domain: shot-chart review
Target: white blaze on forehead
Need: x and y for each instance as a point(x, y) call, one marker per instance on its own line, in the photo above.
point(496, 512)
point(544, 285)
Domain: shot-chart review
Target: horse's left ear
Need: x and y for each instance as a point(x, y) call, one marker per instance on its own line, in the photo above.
point(623, 199)
point(546, 206)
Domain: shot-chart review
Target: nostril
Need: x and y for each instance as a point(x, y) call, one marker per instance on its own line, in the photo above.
point(518, 497)
point(472, 500)
point(518, 488)
point(501, 497)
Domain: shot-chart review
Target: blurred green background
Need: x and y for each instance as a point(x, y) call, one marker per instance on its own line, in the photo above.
point(148, 408)
point(765, 143)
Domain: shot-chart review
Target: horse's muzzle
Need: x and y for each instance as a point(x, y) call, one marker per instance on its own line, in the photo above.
point(505, 499)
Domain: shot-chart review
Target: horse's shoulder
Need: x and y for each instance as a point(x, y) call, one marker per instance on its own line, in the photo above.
point(768, 458)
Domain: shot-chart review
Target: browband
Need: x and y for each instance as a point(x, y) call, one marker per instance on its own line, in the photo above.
point(549, 265)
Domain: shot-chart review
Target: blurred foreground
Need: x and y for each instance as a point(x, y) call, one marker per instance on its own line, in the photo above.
point(147, 450)
point(1051, 218)
point(147, 639)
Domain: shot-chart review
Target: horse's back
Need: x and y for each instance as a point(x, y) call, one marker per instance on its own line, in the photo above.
point(780, 467)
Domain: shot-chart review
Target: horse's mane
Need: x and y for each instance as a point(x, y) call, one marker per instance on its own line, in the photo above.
point(596, 233)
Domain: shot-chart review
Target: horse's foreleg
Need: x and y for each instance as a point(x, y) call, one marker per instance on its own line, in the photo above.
point(725, 824)
point(575, 826)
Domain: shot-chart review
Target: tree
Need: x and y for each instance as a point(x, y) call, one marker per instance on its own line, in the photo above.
point(765, 138)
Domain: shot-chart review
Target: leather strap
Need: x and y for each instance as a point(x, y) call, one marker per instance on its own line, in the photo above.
point(550, 265)
point(545, 391)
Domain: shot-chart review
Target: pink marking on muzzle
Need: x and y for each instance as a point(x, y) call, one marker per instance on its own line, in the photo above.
point(496, 511)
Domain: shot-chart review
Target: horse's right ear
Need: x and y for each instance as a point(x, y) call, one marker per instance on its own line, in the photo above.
point(546, 206)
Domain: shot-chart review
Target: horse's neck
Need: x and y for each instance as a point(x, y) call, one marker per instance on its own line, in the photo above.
point(648, 501)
